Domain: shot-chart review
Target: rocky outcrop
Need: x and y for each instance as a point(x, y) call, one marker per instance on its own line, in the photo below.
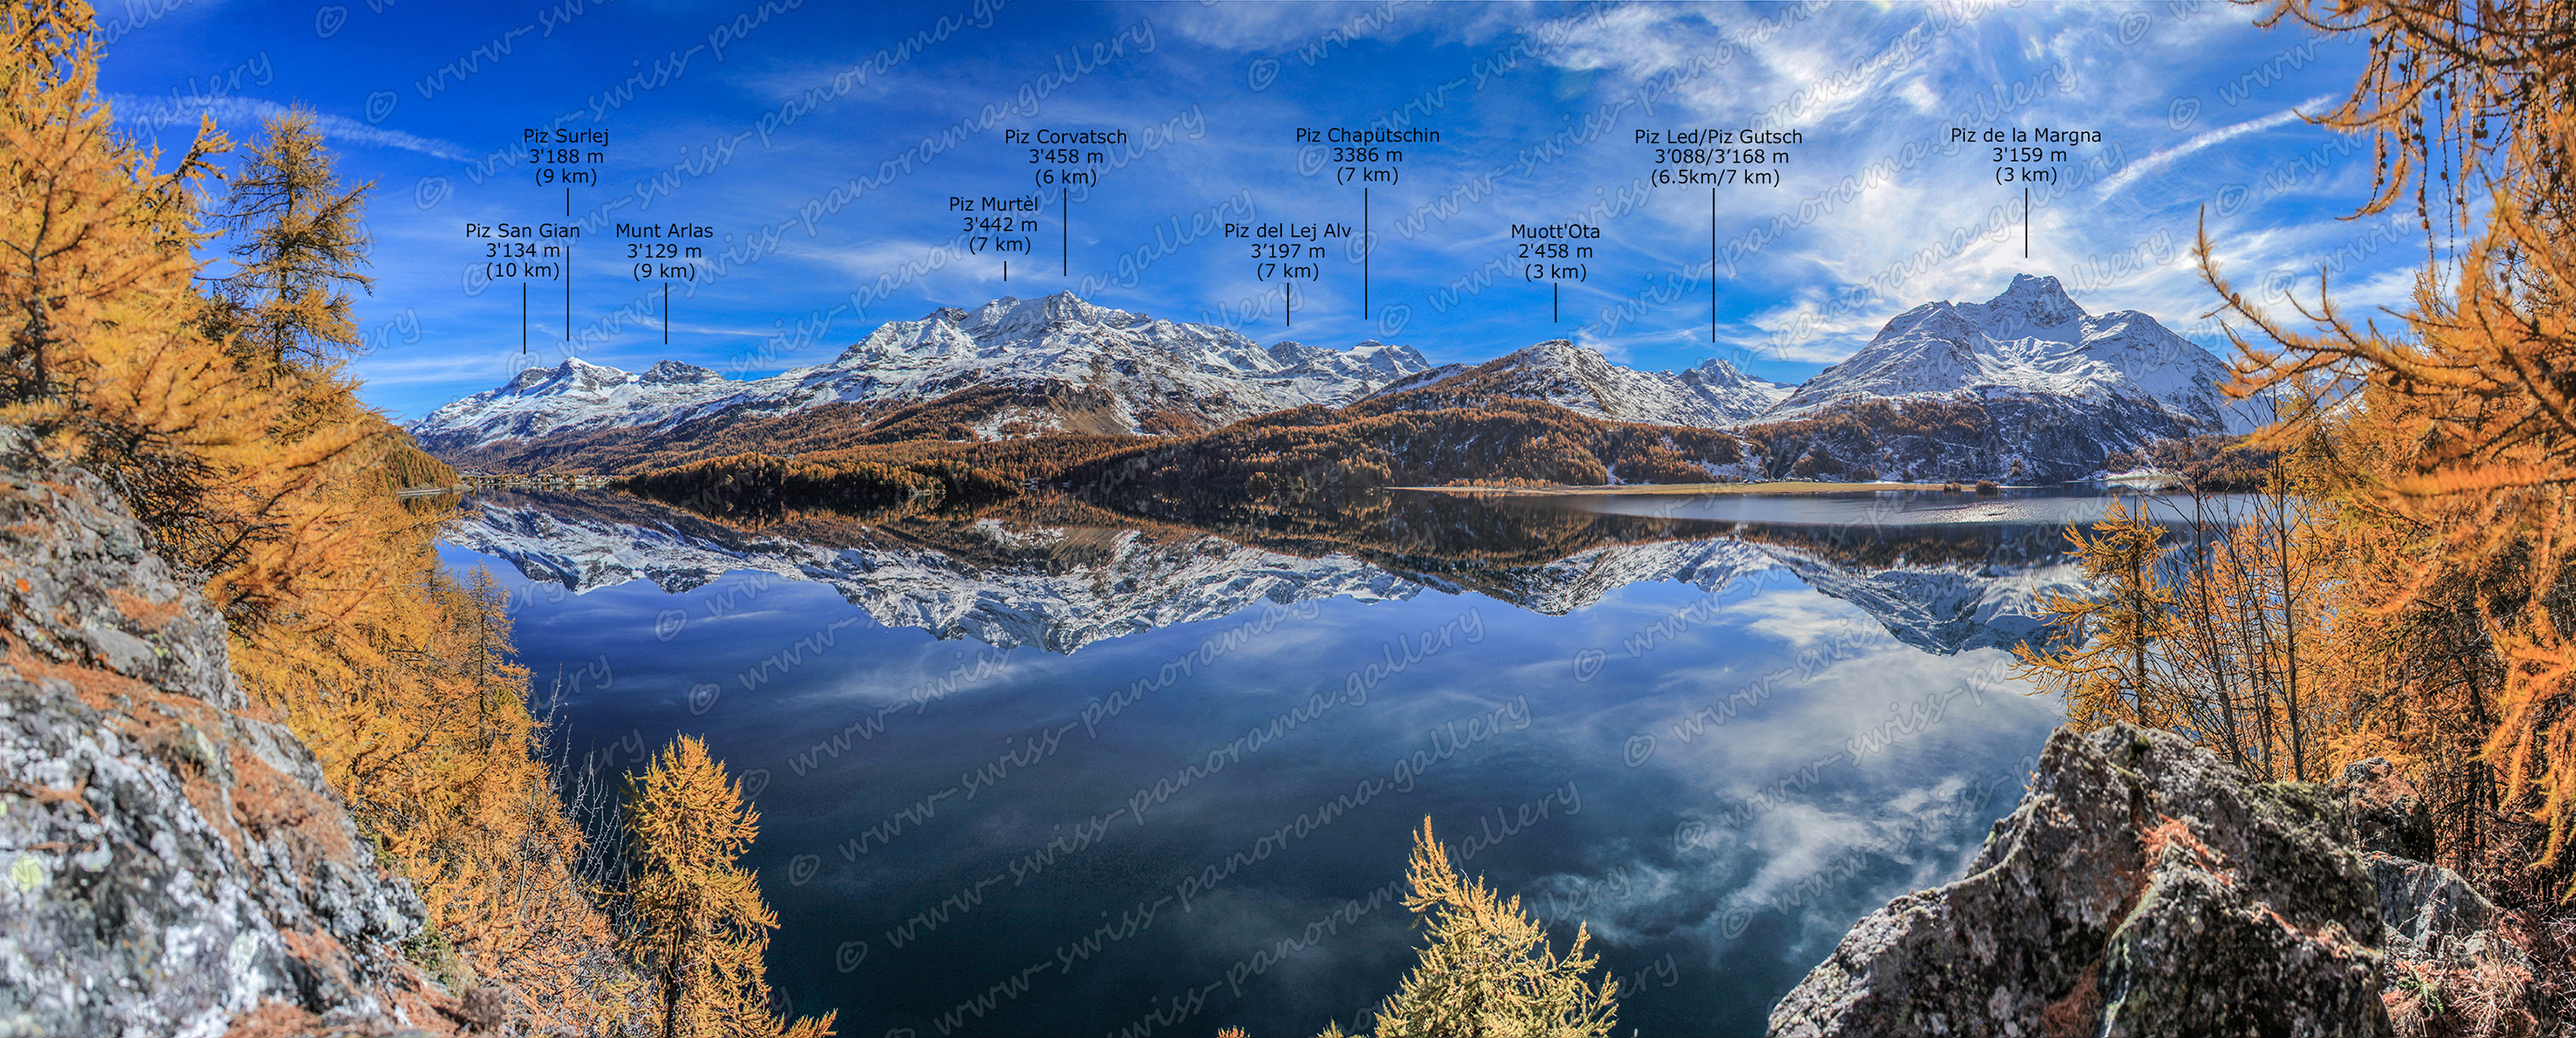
point(2448, 970)
point(2145, 888)
point(2142, 888)
point(169, 864)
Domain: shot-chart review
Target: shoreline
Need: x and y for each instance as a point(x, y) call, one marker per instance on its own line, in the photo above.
point(1699, 489)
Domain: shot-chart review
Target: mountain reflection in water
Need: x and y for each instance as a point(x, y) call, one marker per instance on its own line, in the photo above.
point(1053, 572)
point(1713, 734)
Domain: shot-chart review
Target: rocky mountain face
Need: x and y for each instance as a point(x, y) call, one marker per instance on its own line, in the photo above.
point(572, 397)
point(2026, 387)
point(2143, 887)
point(1066, 365)
point(2031, 341)
point(1709, 396)
point(173, 866)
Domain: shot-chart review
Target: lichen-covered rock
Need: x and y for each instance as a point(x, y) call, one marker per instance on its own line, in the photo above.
point(2447, 969)
point(2142, 888)
point(2387, 815)
point(168, 866)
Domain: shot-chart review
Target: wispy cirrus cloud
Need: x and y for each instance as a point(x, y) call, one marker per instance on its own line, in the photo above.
point(2112, 184)
point(152, 114)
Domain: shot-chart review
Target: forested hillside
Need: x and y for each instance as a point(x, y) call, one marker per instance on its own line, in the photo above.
point(1304, 457)
point(2401, 587)
point(218, 409)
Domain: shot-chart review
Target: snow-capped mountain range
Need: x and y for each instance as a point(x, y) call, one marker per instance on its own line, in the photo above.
point(2057, 388)
point(1712, 395)
point(1136, 373)
point(1005, 584)
point(2032, 340)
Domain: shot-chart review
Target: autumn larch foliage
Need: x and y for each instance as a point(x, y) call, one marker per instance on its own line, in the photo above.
point(1487, 971)
point(1914, 439)
point(255, 469)
point(2472, 109)
point(1288, 457)
point(699, 926)
point(298, 239)
point(2108, 668)
point(2211, 618)
point(2446, 443)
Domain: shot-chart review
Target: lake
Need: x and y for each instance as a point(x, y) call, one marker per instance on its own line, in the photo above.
point(1053, 770)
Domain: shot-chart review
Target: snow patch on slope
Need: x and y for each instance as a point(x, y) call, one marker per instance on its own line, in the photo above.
point(1143, 366)
point(2032, 341)
point(1581, 380)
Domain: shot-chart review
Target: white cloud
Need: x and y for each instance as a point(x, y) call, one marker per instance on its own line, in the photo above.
point(1259, 27)
point(241, 115)
point(2142, 167)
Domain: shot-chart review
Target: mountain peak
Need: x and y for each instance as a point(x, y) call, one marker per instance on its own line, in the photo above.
point(1715, 371)
point(676, 371)
point(1556, 351)
point(1133, 373)
point(2031, 342)
point(1011, 313)
point(573, 370)
point(1581, 379)
point(2040, 285)
point(2029, 302)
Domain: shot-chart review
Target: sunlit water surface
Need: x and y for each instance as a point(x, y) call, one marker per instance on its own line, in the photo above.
point(1715, 747)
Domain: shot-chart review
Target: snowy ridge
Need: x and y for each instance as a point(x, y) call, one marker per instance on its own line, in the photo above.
point(2047, 390)
point(1144, 372)
point(575, 396)
point(2031, 341)
point(1583, 381)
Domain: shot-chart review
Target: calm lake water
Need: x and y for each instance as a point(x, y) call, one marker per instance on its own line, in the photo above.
point(1055, 773)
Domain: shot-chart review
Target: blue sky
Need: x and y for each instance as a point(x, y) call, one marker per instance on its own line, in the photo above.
point(820, 144)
